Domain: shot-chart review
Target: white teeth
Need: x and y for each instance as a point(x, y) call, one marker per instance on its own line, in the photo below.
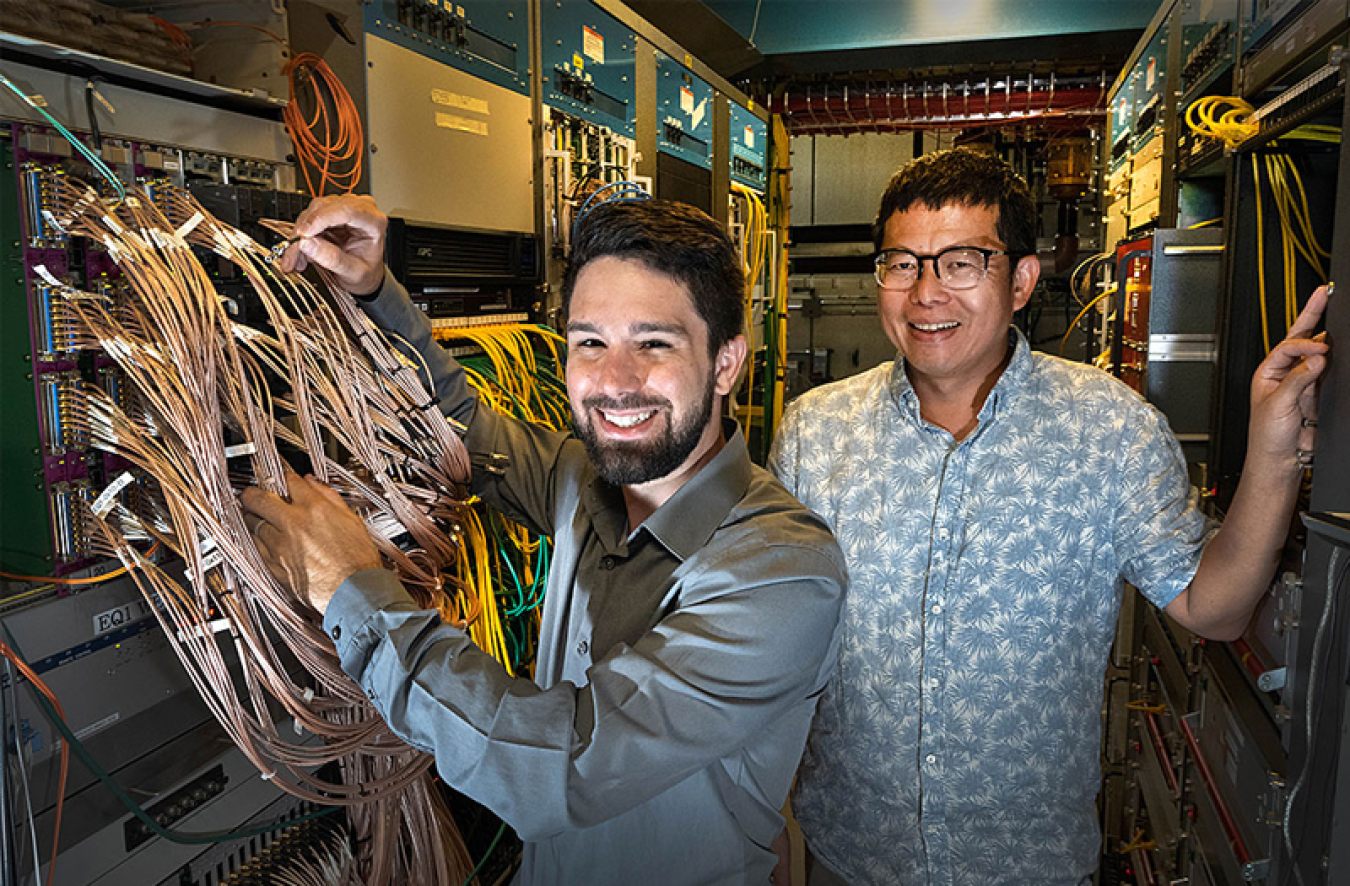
point(936, 327)
point(627, 421)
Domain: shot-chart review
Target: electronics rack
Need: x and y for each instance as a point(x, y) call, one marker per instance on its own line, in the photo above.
point(50, 465)
point(1221, 758)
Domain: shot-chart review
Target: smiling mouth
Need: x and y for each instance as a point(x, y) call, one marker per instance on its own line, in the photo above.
point(626, 421)
point(935, 327)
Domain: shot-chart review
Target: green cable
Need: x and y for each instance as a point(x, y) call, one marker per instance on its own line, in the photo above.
point(135, 808)
point(486, 855)
point(89, 155)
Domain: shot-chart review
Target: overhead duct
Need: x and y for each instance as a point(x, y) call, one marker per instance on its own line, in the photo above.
point(890, 105)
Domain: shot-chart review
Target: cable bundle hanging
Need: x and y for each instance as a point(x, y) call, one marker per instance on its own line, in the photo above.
point(211, 417)
point(510, 563)
point(1297, 235)
point(329, 144)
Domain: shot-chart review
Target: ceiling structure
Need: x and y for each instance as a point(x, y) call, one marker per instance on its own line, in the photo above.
point(841, 66)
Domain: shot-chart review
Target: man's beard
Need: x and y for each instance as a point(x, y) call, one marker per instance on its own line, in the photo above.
point(626, 463)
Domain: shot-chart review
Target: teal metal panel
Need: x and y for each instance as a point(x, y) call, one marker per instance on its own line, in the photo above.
point(489, 39)
point(684, 111)
point(749, 146)
point(589, 62)
point(1150, 79)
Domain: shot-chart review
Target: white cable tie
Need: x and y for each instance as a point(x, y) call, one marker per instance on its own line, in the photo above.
point(104, 503)
point(222, 245)
point(204, 632)
point(240, 449)
point(309, 694)
point(189, 226)
point(113, 224)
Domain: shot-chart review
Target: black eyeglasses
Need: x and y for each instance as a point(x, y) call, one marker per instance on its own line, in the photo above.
point(958, 267)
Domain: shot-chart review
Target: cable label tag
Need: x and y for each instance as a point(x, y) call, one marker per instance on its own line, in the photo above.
point(189, 226)
point(103, 101)
point(240, 449)
point(48, 276)
point(107, 498)
point(212, 560)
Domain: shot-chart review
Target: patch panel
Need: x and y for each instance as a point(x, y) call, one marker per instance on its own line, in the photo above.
point(50, 466)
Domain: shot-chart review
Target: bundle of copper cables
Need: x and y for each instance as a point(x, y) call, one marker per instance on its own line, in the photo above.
point(218, 406)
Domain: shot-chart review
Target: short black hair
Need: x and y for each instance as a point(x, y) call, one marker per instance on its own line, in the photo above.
point(965, 177)
point(677, 240)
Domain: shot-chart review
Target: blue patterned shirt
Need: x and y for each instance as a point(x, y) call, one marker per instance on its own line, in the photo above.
point(959, 741)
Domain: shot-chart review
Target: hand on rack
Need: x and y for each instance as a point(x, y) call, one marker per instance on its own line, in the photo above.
point(344, 235)
point(1285, 387)
point(312, 543)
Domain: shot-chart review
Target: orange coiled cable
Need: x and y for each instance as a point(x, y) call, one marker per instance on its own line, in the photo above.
point(329, 144)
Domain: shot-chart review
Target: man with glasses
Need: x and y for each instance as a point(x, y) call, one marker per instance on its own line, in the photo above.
point(990, 501)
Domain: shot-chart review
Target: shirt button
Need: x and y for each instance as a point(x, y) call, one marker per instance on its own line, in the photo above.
point(933, 684)
point(582, 647)
point(337, 632)
point(937, 609)
point(931, 758)
point(608, 562)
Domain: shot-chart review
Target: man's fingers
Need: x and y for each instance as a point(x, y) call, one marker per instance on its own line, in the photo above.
point(293, 259)
point(1312, 312)
point(263, 504)
point(357, 212)
point(324, 490)
point(1293, 351)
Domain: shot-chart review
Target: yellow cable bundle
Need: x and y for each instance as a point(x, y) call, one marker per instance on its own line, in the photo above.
point(514, 389)
point(1297, 237)
point(1232, 126)
point(756, 249)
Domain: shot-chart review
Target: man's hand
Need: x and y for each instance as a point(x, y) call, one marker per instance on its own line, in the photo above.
point(782, 871)
point(311, 544)
point(344, 235)
point(1284, 391)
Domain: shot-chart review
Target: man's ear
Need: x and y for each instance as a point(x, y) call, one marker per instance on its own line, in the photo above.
point(1025, 275)
point(727, 365)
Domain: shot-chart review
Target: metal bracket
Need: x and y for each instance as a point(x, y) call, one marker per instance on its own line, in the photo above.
point(1256, 870)
point(1271, 680)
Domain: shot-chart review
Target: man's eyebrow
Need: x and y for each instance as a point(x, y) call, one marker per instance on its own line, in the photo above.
point(640, 328)
point(668, 328)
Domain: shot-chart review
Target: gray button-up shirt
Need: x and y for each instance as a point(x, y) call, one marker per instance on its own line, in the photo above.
point(678, 666)
point(958, 744)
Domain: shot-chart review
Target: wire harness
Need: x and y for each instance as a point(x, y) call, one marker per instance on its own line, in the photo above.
point(218, 404)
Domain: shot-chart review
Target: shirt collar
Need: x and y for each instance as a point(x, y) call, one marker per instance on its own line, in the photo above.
point(1013, 379)
point(688, 518)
